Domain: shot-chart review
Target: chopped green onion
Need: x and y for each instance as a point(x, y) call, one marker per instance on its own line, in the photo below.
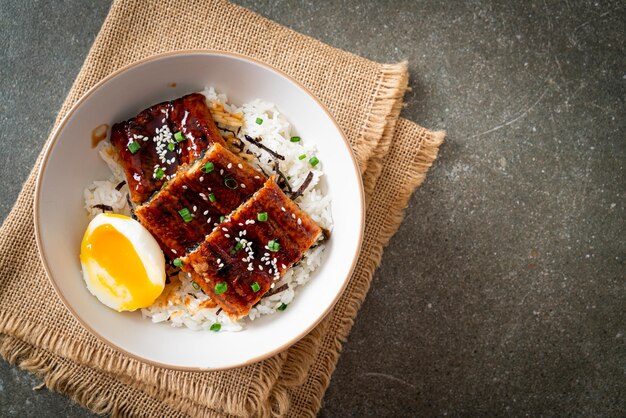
point(222, 218)
point(178, 136)
point(262, 217)
point(195, 285)
point(273, 245)
point(178, 263)
point(238, 247)
point(164, 185)
point(259, 121)
point(171, 146)
point(295, 139)
point(133, 147)
point(302, 157)
point(282, 307)
point(185, 214)
point(220, 288)
point(255, 287)
point(208, 167)
point(159, 173)
point(212, 198)
point(216, 327)
point(314, 161)
point(231, 183)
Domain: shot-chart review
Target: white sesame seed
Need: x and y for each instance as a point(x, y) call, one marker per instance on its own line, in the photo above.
point(184, 187)
point(272, 286)
point(243, 186)
point(205, 213)
point(260, 267)
point(174, 251)
point(283, 266)
point(218, 261)
point(240, 165)
point(201, 178)
point(229, 166)
point(224, 229)
point(227, 236)
point(293, 215)
point(257, 177)
point(221, 172)
point(283, 209)
point(195, 208)
point(299, 221)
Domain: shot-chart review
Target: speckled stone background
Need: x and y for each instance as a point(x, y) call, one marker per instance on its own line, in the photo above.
point(504, 291)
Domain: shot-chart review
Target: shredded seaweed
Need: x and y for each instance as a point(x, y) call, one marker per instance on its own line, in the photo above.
point(120, 185)
point(262, 171)
point(103, 207)
point(130, 205)
point(218, 311)
point(303, 186)
point(257, 142)
point(277, 290)
point(283, 181)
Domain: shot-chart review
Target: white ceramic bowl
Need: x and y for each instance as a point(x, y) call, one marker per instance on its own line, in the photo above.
point(70, 164)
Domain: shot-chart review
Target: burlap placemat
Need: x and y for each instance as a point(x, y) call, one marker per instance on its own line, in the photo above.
point(40, 335)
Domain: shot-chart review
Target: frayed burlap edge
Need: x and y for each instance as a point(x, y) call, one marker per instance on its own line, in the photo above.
point(142, 376)
point(79, 386)
point(386, 96)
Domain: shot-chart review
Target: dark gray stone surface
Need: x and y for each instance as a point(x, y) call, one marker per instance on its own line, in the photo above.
point(504, 291)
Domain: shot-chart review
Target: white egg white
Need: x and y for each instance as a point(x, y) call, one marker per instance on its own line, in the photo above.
point(114, 295)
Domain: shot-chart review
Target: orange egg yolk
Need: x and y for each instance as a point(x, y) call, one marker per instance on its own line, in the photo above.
point(117, 256)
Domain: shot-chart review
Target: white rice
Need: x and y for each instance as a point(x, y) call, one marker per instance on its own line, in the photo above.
point(180, 302)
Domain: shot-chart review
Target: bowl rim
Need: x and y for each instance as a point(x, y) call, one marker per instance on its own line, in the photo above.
point(54, 137)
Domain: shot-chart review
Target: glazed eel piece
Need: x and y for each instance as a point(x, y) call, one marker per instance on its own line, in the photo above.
point(197, 199)
point(240, 260)
point(152, 145)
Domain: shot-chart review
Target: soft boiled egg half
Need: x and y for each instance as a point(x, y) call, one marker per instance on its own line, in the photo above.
point(123, 265)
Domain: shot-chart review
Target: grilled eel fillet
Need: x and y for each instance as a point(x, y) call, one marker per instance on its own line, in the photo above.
point(210, 188)
point(152, 130)
point(240, 260)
